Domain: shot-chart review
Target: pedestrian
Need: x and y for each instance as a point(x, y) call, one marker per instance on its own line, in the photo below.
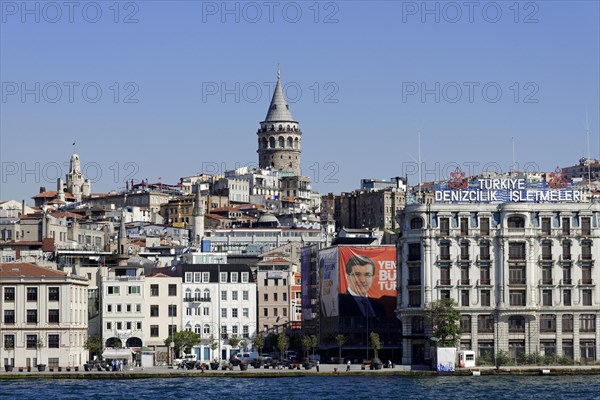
point(113, 366)
point(348, 366)
point(317, 365)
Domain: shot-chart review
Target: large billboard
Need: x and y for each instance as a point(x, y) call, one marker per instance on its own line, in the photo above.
point(307, 282)
point(367, 277)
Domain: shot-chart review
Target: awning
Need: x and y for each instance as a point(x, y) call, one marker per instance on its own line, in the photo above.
point(116, 353)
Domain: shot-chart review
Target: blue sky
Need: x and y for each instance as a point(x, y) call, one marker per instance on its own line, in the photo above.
point(184, 85)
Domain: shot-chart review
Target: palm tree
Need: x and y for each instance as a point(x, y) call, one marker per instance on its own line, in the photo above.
point(340, 340)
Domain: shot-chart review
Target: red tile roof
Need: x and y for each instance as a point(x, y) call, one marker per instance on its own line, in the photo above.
point(52, 194)
point(30, 270)
point(275, 261)
point(67, 214)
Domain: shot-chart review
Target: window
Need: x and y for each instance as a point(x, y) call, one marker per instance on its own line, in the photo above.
point(464, 298)
point(32, 317)
point(172, 310)
point(53, 316)
point(484, 226)
point(171, 330)
point(189, 277)
point(154, 311)
point(444, 226)
point(516, 348)
point(172, 290)
point(485, 298)
point(197, 277)
point(587, 323)
point(516, 274)
point(119, 307)
point(414, 298)
point(32, 294)
point(245, 277)
point(234, 313)
point(517, 297)
point(112, 290)
point(465, 323)
point(486, 349)
point(586, 227)
point(587, 348)
point(245, 312)
point(445, 274)
point(546, 226)
point(223, 277)
point(567, 297)
point(223, 313)
point(133, 290)
point(119, 325)
point(128, 307)
point(416, 223)
point(516, 251)
point(128, 325)
point(31, 341)
point(546, 250)
point(284, 310)
point(485, 324)
point(567, 323)
point(224, 332)
point(547, 297)
point(245, 332)
point(153, 330)
point(547, 323)
point(197, 329)
point(586, 275)
point(445, 251)
point(566, 250)
point(234, 277)
point(206, 329)
point(567, 346)
point(414, 252)
point(109, 326)
point(566, 274)
point(188, 311)
point(206, 295)
point(566, 226)
point(546, 274)
point(266, 297)
point(9, 316)
point(284, 295)
point(464, 250)
point(223, 294)
point(53, 294)
point(464, 226)
point(9, 294)
point(138, 325)
point(275, 297)
point(516, 324)
point(484, 275)
point(234, 295)
point(586, 250)
point(9, 341)
point(516, 222)
point(275, 312)
point(153, 290)
point(586, 296)
point(205, 277)
point(484, 251)
point(206, 311)
point(265, 312)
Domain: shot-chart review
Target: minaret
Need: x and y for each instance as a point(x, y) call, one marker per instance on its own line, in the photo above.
point(197, 219)
point(75, 178)
point(279, 137)
point(122, 234)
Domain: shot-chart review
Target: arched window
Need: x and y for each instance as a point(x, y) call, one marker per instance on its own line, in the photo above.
point(206, 295)
point(206, 329)
point(197, 294)
point(416, 223)
point(516, 324)
point(296, 143)
point(280, 127)
point(281, 141)
point(272, 127)
point(188, 295)
point(516, 222)
point(290, 142)
point(197, 329)
point(272, 142)
point(263, 143)
point(288, 127)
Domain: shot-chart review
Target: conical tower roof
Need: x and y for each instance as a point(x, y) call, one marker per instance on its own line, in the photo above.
point(279, 111)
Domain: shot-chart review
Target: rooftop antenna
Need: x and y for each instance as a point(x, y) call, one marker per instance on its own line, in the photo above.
point(419, 143)
point(513, 154)
point(587, 132)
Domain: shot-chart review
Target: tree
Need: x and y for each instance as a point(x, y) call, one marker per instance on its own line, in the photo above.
point(313, 344)
point(182, 340)
point(340, 340)
point(306, 344)
point(38, 346)
point(375, 343)
point(244, 344)
point(282, 343)
point(9, 344)
point(444, 319)
point(259, 341)
point(234, 341)
point(93, 344)
point(213, 343)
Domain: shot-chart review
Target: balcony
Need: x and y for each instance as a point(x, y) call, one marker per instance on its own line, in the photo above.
point(565, 282)
point(586, 282)
point(444, 282)
point(545, 282)
point(197, 300)
point(483, 260)
point(463, 282)
point(484, 282)
point(517, 282)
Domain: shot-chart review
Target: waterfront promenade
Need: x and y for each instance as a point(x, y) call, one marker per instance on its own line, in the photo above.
point(325, 370)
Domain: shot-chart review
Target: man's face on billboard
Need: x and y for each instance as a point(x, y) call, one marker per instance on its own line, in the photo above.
point(360, 279)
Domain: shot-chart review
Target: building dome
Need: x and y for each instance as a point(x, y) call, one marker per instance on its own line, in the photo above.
point(267, 221)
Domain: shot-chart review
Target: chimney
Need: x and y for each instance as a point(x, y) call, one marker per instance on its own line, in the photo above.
point(22, 207)
point(42, 189)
